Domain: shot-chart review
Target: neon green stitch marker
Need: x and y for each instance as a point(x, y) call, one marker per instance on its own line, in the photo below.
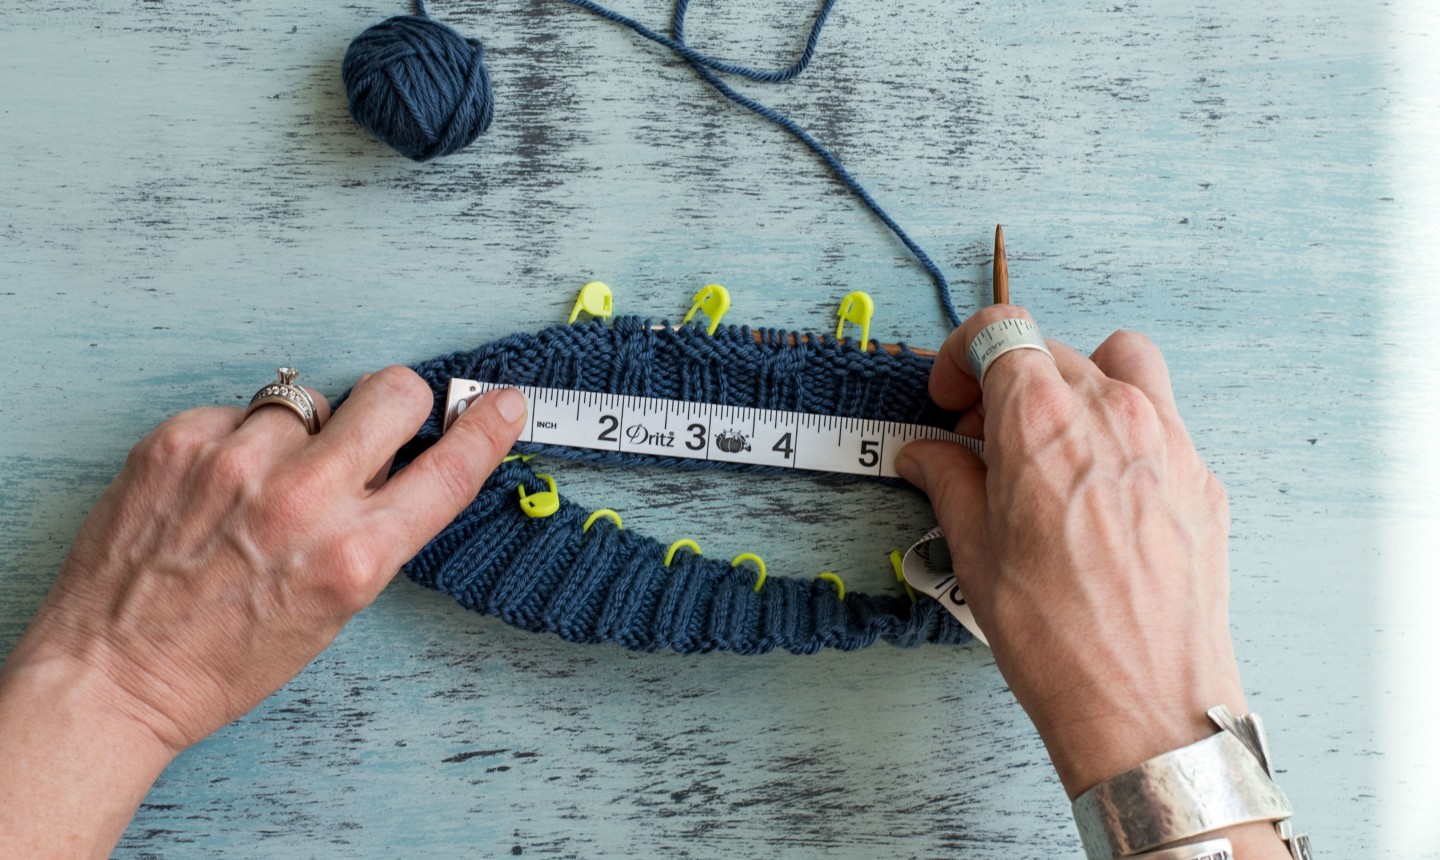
point(897, 562)
point(714, 300)
point(857, 308)
point(759, 565)
point(603, 512)
point(595, 299)
point(543, 503)
point(675, 547)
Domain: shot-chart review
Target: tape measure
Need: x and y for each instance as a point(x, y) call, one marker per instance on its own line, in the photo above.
point(708, 431)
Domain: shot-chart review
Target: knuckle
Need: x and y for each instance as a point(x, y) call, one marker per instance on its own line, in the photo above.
point(345, 581)
point(995, 313)
point(1128, 341)
point(1132, 414)
point(453, 474)
point(1050, 408)
point(1130, 404)
point(232, 468)
point(1045, 416)
point(401, 385)
point(1216, 496)
point(174, 441)
point(290, 505)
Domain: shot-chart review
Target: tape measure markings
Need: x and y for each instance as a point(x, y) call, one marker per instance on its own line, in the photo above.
point(631, 424)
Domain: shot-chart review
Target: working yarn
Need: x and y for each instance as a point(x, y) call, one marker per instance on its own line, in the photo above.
point(418, 86)
point(605, 584)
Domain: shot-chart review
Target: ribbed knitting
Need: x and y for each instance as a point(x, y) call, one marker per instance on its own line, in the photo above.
point(611, 585)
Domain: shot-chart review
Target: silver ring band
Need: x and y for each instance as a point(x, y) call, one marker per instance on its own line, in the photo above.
point(998, 338)
point(293, 397)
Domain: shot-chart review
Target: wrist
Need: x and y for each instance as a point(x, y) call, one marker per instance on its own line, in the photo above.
point(75, 759)
point(1089, 751)
point(1219, 786)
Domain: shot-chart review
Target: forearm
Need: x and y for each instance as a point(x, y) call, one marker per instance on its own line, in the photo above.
point(74, 767)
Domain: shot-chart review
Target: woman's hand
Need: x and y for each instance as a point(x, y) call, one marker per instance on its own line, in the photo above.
point(223, 558)
point(1091, 546)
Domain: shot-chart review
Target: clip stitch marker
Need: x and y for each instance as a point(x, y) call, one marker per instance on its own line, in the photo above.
point(857, 308)
point(603, 512)
point(543, 503)
point(896, 562)
point(714, 300)
point(676, 546)
point(759, 565)
point(595, 299)
point(835, 579)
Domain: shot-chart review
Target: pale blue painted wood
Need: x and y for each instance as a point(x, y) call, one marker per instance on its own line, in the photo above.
point(187, 204)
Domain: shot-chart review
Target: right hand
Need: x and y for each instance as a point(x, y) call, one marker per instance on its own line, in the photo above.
point(1090, 544)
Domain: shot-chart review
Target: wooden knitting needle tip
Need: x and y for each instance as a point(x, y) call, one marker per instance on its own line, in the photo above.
point(1001, 275)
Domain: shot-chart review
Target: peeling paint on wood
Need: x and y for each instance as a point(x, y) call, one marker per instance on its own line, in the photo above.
point(186, 204)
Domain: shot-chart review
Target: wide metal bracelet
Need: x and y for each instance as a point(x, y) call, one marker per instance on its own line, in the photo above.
point(1210, 849)
point(1221, 781)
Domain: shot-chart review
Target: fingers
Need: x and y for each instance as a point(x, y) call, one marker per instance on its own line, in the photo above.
point(176, 440)
point(1130, 357)
point(954, 480)
point(1078, 371)
point(383, 412)
point(952, 476)
point(415, 504)
point(952, 381)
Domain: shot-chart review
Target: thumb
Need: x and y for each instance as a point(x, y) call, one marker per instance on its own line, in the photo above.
point(950, 474)
point(954, 480)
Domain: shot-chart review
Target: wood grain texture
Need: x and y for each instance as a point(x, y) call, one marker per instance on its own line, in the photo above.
point(187, 204)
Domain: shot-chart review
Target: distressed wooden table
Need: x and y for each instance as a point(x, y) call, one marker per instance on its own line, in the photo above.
point(186, 204)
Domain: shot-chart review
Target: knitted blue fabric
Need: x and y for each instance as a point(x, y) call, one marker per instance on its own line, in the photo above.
point(611, 585)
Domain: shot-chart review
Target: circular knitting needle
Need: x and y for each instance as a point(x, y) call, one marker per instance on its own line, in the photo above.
point(793, 340)
point(1001, 273)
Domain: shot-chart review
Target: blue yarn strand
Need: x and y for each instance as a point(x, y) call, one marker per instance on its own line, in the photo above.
point(678, 45)
point(706, 66)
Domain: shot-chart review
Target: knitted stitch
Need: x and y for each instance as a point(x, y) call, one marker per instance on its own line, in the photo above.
point(609, 585)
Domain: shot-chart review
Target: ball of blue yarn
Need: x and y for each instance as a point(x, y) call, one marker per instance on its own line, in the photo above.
point(418, 86)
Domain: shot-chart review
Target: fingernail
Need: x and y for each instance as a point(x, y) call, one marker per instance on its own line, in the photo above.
point(908, 468)
point(510, 404)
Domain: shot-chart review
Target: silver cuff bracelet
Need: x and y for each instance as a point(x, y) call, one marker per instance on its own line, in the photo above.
point(1221, 781)
point(1210, 849)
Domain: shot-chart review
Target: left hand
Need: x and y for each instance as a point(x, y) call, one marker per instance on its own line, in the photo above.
point(225, 556)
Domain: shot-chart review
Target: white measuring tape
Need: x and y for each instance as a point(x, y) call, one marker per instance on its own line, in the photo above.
point(707, 431)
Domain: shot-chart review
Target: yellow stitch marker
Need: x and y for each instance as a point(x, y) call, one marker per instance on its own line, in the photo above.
point(835, 578)
point(524, 458)
point(674, 547)
point(543, 503)
point(595, 299)
point(759, 564)
point(897, 561)
point(857, 308)
point(603, 512)
point(714, 300)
